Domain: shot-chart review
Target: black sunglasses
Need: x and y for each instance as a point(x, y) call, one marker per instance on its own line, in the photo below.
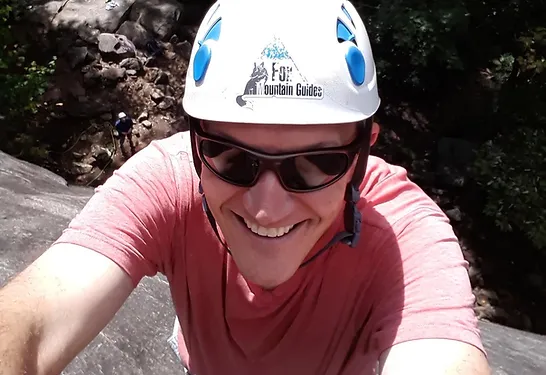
point(299, 172)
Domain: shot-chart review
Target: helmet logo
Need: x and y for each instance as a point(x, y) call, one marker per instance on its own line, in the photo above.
point(275, 75)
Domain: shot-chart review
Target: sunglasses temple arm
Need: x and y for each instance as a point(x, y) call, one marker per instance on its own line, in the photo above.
point(212, 221)
point(353, 217)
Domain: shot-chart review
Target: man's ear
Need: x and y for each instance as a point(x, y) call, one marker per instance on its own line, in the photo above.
point(375, 133)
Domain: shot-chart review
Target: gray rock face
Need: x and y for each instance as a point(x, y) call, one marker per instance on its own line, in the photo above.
point(161, 17)
point(131, 63)
point(115, 46)
point(135, 32)
point(512, 351)
point(97, 14)
point(113, 73)
point(35, 206)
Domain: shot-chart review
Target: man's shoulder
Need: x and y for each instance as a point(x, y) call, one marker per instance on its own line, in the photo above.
point(176, 144)
point(389, 195)
point(169, 158)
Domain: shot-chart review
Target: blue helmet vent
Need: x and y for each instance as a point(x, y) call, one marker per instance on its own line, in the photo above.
point(348, 15)
point(202, 58)
point(353, 56)
point(214, 31)
point(343, 33)
point(356, 64)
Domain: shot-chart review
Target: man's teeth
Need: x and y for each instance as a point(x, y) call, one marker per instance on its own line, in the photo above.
point(268, 232)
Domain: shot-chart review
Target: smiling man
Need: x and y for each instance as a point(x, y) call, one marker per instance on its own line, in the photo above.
point(288, 249)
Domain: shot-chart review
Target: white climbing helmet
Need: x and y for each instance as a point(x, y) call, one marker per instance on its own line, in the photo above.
point(122, 115)
point(281, 62)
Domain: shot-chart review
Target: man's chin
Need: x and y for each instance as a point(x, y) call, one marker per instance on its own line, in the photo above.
point(268, 262)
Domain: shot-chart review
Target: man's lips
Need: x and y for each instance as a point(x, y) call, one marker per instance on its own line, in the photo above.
point(268, 233)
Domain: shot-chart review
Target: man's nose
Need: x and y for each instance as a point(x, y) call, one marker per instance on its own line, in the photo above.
point(267, 201)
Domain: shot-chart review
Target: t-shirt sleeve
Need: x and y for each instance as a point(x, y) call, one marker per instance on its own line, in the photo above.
point(131, 219)
point(424, 283)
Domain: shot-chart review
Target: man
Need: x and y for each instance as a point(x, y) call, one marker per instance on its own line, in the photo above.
point(287, 249)
point(124, 127)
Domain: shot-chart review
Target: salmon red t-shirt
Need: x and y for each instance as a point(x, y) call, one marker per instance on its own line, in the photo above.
point(405, 280)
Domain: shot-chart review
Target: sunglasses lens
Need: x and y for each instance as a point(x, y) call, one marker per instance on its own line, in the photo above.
point(231, 163)
point(298, 173)
point(309, 172)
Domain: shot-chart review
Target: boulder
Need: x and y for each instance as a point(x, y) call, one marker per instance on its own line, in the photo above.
point(135, 32)
point(512, 351)
point(113, 74)
point(160, 17)
point(157, 96)
point(162, 78)
point(167, 102)
point(101, 155)
point(81, 168)
point(116, 47)
point(131, 63)
point(143, 116)
point(100, 15)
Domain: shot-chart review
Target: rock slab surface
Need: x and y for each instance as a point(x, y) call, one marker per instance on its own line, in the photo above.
point(35, 206)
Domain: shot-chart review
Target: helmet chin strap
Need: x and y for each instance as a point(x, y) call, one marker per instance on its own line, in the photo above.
point(352, 215)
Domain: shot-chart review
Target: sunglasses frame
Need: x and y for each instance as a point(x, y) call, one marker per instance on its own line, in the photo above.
point(272, 162)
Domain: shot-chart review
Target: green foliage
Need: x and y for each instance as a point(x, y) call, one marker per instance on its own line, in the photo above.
point(20, 91)
point(436, 49)
point(524, 97)
point(415, 38)
point(22, 80)
point(512, 169)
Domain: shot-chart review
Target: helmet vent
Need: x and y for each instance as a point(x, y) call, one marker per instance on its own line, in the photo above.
point(348, 15)
point(344, 34)
point(203, 55)
point(214, 31)
point(353, 56)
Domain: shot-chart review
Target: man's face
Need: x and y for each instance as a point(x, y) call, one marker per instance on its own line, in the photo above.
point(267, 208)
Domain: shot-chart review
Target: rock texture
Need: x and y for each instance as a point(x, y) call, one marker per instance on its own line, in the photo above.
point(161, 17)
point(96, 14)
point(115, 46)
point(138, 19)
point(35, 206)
point(114, 56)
point(514, 352)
